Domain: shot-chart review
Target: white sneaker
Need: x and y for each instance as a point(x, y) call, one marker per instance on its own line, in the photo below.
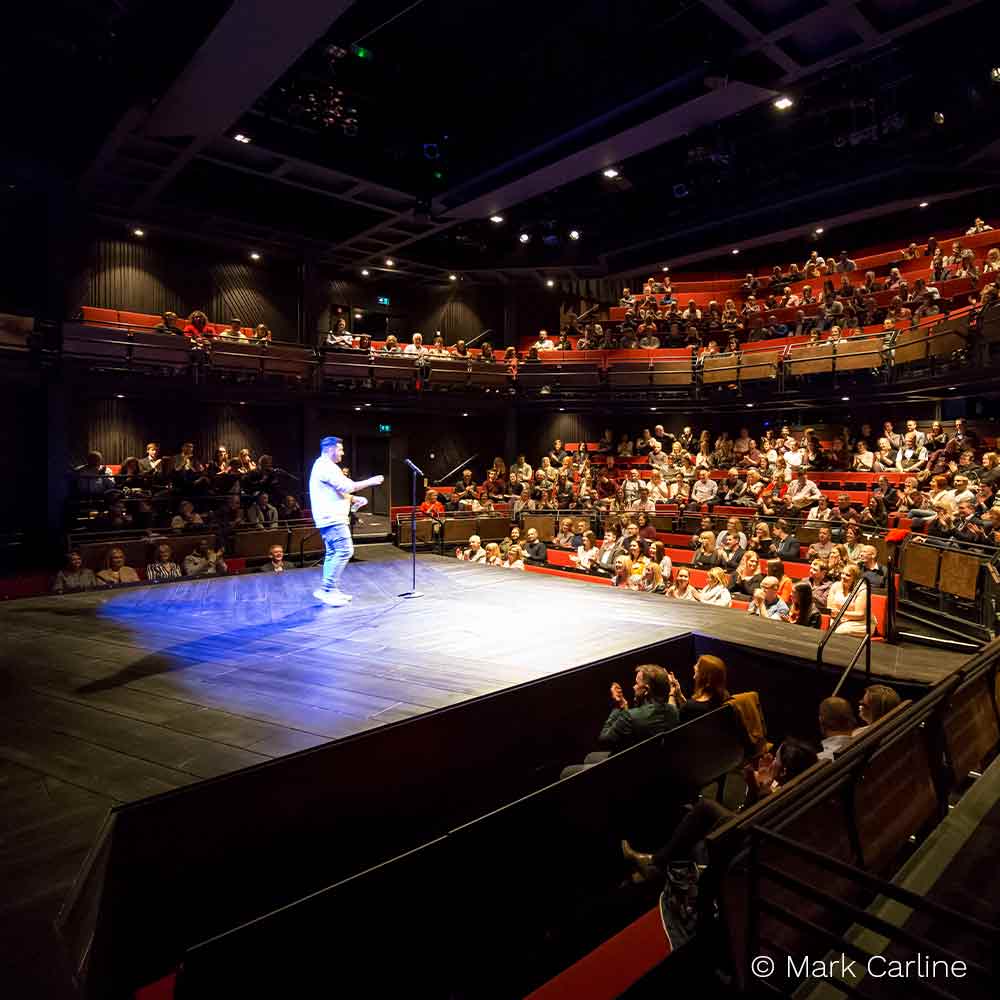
point(331, 597)
point(346, 597)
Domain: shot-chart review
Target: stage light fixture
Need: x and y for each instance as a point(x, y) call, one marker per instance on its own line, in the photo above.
point(818, 231)
point(368, 404)
point(562, 409)
point(119, 395)
point(243, 402)
point(938, 117)
point(735, 250)
point(845, 399)
point(255, 256)
point(574, 234)
point(357, 409)
point(453, 277)
point(240, 137)
point(364, 272)
point(952, 388)
point(749, 406)
point(550, 283)
point(525, 237)
point(138, 232)
point(610, 173)
point(782, 103)
point(389, 262)
point(666, 269)
point(496, 219)
point(465, 414)
point(923, 204)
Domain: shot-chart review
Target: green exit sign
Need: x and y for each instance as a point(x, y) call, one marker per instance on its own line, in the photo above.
point(383, 300)
point(385, 428)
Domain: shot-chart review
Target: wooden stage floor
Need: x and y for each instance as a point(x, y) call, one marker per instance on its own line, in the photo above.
point(108, 698)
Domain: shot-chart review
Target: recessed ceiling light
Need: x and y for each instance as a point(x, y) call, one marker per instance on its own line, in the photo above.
point(782, 103)
point(666, 269)
point(243, 402)
point(255, 256)
point(357, 409)
point(610, 173)
point(364, 272)
point(749, 406)
point(952, 388)
point(574, 234)
point(138, 232)
point(240, 137)
point(465, 414)
point(453, 277)
point(923, 204)
point(550, 283)
point(735, 250)
point(818, 230)
point(496, 219)
point(562, 409)
point(119, 395)
point(357, 315)
point(368, 404)
point(652, 409)
point(389, 262)
point(845, 399)
point(525, 237)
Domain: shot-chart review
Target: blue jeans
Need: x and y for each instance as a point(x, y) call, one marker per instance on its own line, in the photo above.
point(339, 549)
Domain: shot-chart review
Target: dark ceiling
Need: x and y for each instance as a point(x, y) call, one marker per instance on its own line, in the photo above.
point(395, 129)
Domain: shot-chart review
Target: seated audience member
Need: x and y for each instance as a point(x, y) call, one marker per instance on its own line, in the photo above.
point(609, 551)
point(705, 557)
point(853, 541)
point(877, 701)
point(716, 589)
point(544, 341)
point(803, 610)
point(787, 546)
point(761, 542)
point(681, 588)
point(704, 490)
point(262, 334)
point(276, 564)
point(262, 513)
point(747, 577)
point(730, 556)
point(74, 578)
point(515, 558)
point(836, 724)
point(514, 538)
point(776, 568)
point(968, 525)
point(819, 582)
point(204, 561)
point(622, 572)
point(339, 338)
point(164, 568)
point(151, 463)
point(822, 547)
point(709, 688)
point(870, 567)
point(494, 557)
point(651, 581)
point(853, 622)
point(587, 552)
point(766, 603)
point(94, 478)
point(802, 492)
point(734, 527)
point(792, 759)
point(416, 346)
point(474, 553)
point(391, 345)
point(115, 572)
point(535, 550)
point(652, 714)
point(169, 325)
point(186, 518)
point(290, 510)
point(234, 331)
point(564, 537)
point(198, 327)
point(437, 349)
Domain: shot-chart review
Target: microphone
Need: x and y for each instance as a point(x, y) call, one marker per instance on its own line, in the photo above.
point(412, 467)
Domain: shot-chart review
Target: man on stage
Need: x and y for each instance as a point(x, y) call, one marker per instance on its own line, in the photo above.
point(330, 496)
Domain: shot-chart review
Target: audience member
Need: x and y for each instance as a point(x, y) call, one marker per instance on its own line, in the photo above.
point(204, 561)
point(164, 568)
point(75, 578)
point(836, 724)
point(709, 689)
point(276, 560)
point(877, 701)
point(115, 572)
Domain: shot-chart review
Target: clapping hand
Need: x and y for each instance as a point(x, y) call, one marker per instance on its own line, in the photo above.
point(618, 696)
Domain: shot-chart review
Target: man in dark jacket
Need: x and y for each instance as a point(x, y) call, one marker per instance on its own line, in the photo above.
point(624, 727)
point(535, 551)
point(786, 545)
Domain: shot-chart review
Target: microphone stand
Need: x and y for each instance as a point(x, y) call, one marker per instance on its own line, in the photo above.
point(413, 592)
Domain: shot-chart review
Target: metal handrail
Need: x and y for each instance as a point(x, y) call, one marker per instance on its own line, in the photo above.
point(866, 642)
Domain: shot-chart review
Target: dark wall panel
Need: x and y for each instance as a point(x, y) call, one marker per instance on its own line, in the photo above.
point(118, 428)
point(152, 275)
